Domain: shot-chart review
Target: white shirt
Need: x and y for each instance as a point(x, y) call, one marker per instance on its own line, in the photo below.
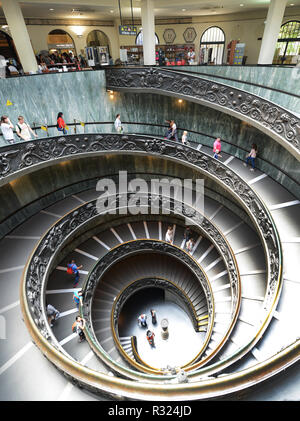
point(7, 131)
point(118, 124)
point(24, 131)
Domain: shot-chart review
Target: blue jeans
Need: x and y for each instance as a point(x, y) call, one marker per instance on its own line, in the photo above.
point(252, 160)
point(62, 129)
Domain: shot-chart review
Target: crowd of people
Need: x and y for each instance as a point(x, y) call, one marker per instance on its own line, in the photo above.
point(47, 60)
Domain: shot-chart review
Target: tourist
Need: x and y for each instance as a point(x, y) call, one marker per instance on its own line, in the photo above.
point(52, 314)
point(150, 337)
point(61, 125)
point(191, 56)
point(78, 327)
point(7, 129)
point(251, 157)
point(169, 131)
point(188, 234)
point(77, 297)
point(217, 148)
point(153, 316)
point(118, 124)
point(184, 138)
point(142, 320)
point(173, 131)
point(72, 268)
point(23, 129)
point(169, 234)
point(190, 245)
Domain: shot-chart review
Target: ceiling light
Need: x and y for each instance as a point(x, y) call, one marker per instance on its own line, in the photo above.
point(241, 5)
point(183, 10)
point(51, 9)
point(111, 11)
point(292, 4)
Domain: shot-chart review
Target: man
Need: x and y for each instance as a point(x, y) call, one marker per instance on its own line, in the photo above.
point(52, 314)
point(23, 129)
point(142, 320)
point(73, 268)
point(77, 297)
point(78, 327)
point(118, 124)
point(150, 337)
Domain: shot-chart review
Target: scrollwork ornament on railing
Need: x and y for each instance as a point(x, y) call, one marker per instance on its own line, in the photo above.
point(268, 115)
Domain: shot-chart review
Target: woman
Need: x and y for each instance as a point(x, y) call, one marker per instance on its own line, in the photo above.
point(169, 234)
point(7, 129)
point(153, 315)
point(217, 148)
point(251, 157)
point(61, 125)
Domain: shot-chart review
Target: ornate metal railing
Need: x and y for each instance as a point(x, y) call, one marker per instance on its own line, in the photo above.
point(274, 120)
point(132, 248)
point(39, 265)
point(43, 258)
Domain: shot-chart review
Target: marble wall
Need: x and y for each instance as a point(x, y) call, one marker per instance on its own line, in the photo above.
point(82, 96)
point(285, 79)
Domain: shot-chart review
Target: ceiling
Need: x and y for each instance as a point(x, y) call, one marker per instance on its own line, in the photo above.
point(109, 9)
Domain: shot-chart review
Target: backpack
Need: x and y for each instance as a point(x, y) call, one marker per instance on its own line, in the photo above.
point(69, 270)
point(74, 327)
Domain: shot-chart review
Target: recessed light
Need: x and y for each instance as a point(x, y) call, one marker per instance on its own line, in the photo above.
point(292, 4)
point(183, 10)
point(242, 5)
point(111, 11)
point(51, 9)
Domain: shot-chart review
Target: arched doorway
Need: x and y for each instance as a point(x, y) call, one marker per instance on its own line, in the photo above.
point(97, 38)
point(7, 47)
point(288, 44)
point(60, 41)
point(212, 45)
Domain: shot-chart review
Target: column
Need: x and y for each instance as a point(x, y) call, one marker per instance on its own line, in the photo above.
point(148, 25)
point(18, 30)
point(271, 32)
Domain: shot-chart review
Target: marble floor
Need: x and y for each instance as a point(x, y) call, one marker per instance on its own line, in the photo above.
point(183, 342)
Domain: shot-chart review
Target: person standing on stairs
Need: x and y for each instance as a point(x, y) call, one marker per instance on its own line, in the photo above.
point(169, 234)
point(72, 268)
point(78, 327)
point(190, 245)
point(251, 157)
point(77, 297)
point(217, 148)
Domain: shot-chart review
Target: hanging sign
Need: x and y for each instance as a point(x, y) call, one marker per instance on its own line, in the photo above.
point(127, 30)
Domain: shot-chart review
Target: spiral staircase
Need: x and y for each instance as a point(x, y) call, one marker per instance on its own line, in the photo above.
point(239, 285)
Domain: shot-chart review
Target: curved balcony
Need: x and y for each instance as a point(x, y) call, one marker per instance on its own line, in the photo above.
point(277, 122)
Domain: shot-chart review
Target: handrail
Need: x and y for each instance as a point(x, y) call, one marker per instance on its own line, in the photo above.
point(246, 82)
point(79, 123)
point(273, 119)
point(133, 247)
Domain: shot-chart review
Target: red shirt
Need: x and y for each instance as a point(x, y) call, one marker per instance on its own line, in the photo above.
point(61, 123)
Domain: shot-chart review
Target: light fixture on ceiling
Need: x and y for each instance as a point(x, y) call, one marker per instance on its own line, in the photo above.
point(51, 10)
point(111, 11)
point(184, 10)
point(242, 5)
point(78, 30)
point(292, 4)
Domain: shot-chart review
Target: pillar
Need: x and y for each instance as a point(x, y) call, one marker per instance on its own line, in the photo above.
point(271, 32)
point(148, 25)
point(18, 30)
